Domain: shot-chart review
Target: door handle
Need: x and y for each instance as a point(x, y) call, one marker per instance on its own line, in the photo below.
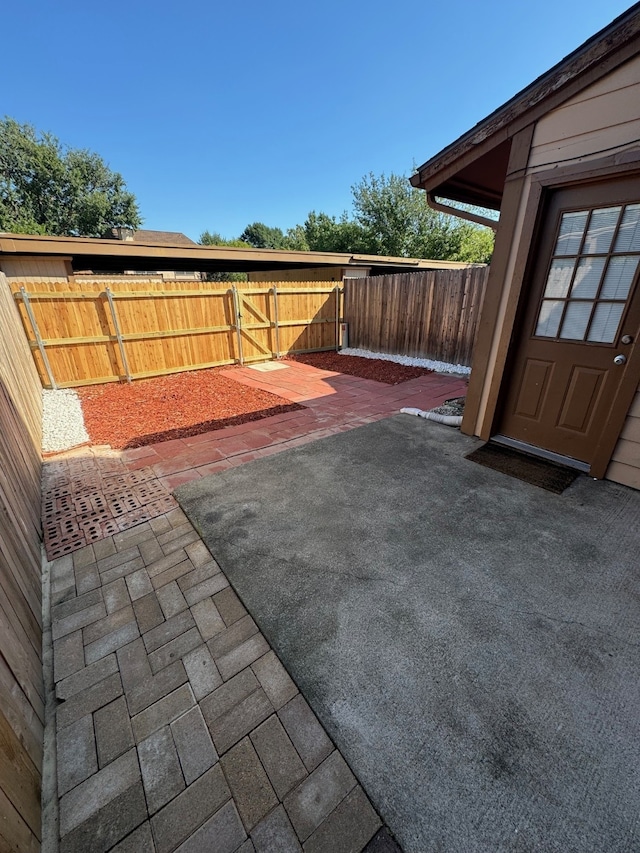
point(620, 359)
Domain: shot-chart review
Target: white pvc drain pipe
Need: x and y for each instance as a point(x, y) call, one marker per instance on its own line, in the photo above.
point(449, 420)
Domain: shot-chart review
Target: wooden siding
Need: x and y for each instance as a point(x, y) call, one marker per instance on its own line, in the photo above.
point(602, 119)
point(164, 331)
point(431, 314)
point(21, 688)
point(625, 465)
point(29, 269)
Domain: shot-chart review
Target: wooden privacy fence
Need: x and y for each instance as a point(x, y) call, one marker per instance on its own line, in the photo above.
point(21, 682)
point(432, 314)
point(86, 333)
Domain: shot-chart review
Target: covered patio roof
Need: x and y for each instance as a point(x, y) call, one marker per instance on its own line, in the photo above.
point(473, 169)
point(117, 255)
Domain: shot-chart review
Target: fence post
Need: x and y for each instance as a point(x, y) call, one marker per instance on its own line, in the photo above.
point(36, 332)
point(236, 308)
point(274, 290)
point(337, 292)
point(116, 327)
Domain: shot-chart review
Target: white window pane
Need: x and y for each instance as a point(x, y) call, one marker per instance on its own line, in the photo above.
point(601, 229)
point(606, 319)
point(559, 278)
point(587, 280)
point(571, 231)
point(576, 320)
point(628, 239)
point(549, 319)
point(619, 277)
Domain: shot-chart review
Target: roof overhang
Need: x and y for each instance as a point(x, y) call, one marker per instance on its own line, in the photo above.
point(117, 256)
point(473, 169)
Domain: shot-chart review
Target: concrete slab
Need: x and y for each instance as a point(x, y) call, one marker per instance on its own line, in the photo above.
point(469, 641)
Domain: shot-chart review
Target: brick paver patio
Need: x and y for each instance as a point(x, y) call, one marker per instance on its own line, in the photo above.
point(177, 728)
point(334, 402)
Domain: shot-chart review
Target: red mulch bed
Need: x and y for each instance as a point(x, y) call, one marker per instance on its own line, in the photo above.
point(176, 406)
point(366, 368)
point(197, 401)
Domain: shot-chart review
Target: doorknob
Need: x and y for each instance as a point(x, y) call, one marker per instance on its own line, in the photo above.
point(620, 359)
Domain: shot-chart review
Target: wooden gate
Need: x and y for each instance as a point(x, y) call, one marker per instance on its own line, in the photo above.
point(82, 333)
point(276, 320)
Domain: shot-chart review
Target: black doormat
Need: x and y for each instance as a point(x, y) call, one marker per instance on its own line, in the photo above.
point(539, 472)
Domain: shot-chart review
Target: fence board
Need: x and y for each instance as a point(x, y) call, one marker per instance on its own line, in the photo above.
point(21, 688)
point(169, 326)
point(432, 314)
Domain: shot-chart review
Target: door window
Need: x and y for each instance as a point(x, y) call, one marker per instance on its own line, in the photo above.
point(594, 265)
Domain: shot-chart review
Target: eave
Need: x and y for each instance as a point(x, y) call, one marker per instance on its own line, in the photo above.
point(115, 255)
point(474, 167)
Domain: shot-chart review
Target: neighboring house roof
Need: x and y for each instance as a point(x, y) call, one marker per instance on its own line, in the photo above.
point(473, 169)
point(164, 238)
point(160, 238)
point(109, 254)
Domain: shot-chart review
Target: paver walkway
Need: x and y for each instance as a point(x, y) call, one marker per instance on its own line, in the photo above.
point(177, 726)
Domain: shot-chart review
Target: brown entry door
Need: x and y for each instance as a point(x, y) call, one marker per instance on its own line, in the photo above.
point(582, 318)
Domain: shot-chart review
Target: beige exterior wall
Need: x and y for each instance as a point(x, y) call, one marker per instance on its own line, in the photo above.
point(602, 120)
point(625, 464)
point(28, 270)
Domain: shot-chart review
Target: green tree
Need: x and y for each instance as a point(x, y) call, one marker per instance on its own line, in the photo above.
point(208, 238)
point(326, 234)
point(295, 239)
point(261, 236)
point(476, 246)
point(398, 221)
point(46, 188)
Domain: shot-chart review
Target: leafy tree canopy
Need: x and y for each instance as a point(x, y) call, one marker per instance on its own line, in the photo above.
point(326, 234)
point(46, 188)
point(389, 217)
point(398, 221)
point(208, 238)
point(261, 236)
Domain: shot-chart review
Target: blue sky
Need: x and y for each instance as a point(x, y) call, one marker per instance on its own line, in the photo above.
point(221, 114)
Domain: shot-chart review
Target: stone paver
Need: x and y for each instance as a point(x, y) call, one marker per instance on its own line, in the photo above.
point(182, 816)
point(347, 828)
point(163, 711)
point(178, 729)
point(306, 733)
point(252, 792)
point(274, 832)
point(315, 798)
point(77, 758)
point(278, 756)
point(113, 732)
point(160, 766)
point(193, 742)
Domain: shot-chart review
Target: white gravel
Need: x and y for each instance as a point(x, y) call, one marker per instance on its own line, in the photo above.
point(438, 366)
point(62, 421)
